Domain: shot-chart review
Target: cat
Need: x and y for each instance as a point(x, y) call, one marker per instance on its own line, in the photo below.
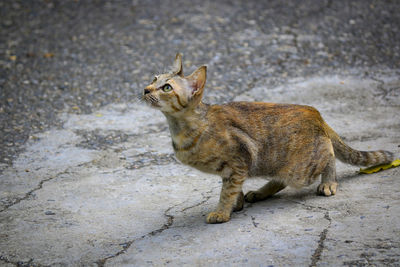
point(289, 143)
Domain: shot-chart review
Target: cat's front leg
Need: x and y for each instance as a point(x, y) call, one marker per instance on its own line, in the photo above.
point(230, 195)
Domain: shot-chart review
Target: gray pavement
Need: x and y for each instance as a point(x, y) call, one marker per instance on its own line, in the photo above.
point(87, 172)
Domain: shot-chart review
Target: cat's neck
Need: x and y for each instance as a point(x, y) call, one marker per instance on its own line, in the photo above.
point(192, 120)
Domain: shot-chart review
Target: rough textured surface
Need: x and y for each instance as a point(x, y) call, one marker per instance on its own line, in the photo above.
point(87, 172)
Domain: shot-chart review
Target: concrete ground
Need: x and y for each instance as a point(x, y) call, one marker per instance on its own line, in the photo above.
point(87, 173)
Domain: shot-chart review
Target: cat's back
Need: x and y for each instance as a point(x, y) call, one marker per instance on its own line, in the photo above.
point(261, 114)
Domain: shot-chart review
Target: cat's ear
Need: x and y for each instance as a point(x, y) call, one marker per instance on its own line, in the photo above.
point(197, 80)
point(177, 66)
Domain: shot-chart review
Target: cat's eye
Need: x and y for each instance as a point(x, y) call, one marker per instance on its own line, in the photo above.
point(167, 88)
point(154, 80)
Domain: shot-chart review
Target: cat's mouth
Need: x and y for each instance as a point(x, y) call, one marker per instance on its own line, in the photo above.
point(152, 101)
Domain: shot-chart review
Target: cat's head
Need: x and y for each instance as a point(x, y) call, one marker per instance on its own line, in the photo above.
point(173, 93)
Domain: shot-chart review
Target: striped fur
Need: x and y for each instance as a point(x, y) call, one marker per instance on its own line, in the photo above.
point(291, 144)
point(355, 157)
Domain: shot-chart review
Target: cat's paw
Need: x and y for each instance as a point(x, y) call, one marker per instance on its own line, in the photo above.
point(327, 189)
point(252, 197)
point(217, 217)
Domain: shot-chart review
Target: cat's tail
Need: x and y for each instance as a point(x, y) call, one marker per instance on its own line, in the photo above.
point(345, 153)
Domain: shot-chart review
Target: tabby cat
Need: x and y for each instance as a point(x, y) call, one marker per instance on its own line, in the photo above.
point(291, 144)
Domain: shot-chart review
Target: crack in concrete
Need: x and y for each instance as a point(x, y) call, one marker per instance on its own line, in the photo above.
point(253, 220)
point(310, 207)
point(316, 257)
point(40, 185)
point(21, 263)
point(196, 205)
point(4, 259)
point(167, 225)
point(30, 193)
point(380, 85)
point(205, 199)
point(127, 245)
point(384, 93)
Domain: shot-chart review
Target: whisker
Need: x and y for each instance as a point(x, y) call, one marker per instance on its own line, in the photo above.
point(139, 100)
point(153, 99)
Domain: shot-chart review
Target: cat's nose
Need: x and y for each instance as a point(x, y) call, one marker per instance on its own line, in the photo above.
point(146, 91)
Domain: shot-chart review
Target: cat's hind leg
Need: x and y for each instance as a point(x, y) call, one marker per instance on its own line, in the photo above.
point(328, 183)
point(269, 189)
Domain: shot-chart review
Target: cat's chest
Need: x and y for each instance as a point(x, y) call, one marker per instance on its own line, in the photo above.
point(204, 163)
point(193, 145)
point(186, 146)
point(185, 157)
point(192, 159)
point(186, 152)
point(200, 156)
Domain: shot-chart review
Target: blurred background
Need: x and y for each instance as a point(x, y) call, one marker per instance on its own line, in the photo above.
point(77, 56)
